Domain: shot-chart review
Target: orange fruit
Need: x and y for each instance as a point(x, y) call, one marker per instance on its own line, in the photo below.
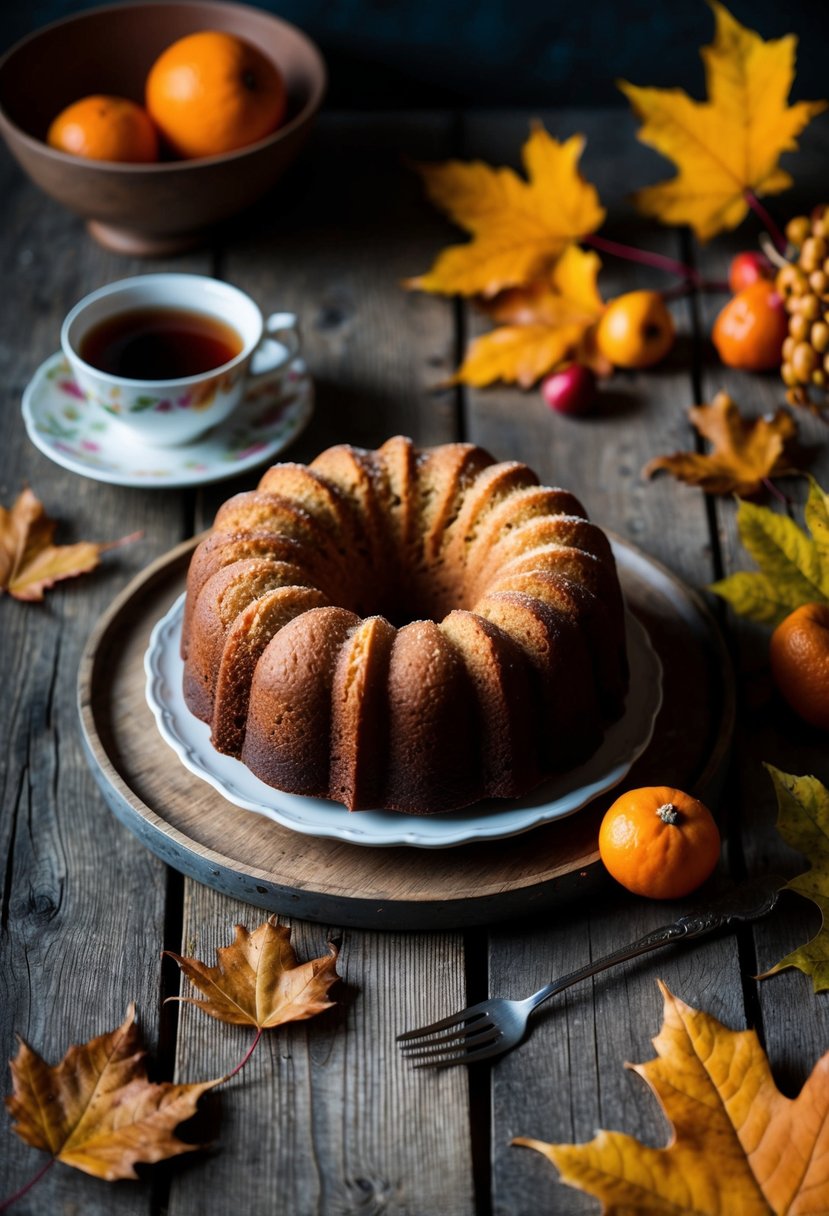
point(750, 331)
point(635, 330)
point(104, 128)
point(799, 654)
point(212, 92)
point(659, 842)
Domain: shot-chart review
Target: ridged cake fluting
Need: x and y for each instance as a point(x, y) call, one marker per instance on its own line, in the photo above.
point(405, 629)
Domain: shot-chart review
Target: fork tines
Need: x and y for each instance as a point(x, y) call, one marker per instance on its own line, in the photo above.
point(465, 1038)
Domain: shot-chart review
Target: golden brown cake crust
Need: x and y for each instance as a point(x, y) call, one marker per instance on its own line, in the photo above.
point(406, 629)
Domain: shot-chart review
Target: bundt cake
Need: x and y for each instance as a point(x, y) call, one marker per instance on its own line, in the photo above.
point(404, 629)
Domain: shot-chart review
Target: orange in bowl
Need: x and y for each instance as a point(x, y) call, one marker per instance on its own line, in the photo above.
point(102, 127)
point(212, 92)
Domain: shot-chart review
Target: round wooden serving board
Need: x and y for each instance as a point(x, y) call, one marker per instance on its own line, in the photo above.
point(191, 827)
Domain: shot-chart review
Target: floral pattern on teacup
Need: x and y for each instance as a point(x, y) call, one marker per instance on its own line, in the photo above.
point(71, 425)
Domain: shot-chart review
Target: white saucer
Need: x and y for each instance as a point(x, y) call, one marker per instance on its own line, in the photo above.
point(624, 742)
point(83, 438)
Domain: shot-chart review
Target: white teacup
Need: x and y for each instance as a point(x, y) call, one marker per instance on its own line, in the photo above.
point(164, 413)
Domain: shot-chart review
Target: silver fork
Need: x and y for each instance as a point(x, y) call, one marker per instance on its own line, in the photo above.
point(496, 1025)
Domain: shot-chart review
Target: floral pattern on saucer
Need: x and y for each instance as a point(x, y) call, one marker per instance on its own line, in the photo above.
point(77, 434)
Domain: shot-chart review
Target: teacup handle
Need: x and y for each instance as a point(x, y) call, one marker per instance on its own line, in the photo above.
point(279, 344)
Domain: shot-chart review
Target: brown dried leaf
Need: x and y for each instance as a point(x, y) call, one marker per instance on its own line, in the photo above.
point(745, 451)
point(29, 562)
point(258, 981)
point(96, 1110)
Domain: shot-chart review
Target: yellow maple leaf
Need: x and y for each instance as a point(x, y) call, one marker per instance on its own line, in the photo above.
point(544, 324)
point(518, 227)
point(729, 145)
point(744, 451)
point(739, 1145)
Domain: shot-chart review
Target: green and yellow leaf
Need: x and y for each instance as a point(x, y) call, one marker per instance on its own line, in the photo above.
point(794, 566)
point(803, 822)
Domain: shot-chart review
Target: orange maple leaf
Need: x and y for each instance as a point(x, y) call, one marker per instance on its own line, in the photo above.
point(728, 147)
point(739, 1145)
point(745, 451)
point(258, 981)
point(96, 1110)
point(544, 324)
point(29, 562)
point(519, 228)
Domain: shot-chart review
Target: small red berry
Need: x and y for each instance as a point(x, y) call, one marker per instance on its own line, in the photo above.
point(746, 268)
point(571, 390)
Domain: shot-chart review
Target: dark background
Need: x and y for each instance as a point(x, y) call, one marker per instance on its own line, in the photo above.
point(424, 53)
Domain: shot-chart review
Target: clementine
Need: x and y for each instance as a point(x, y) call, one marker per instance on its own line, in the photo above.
point(212, 92)
point(101, 127)
point(659, 842)
point(636, 330)
point(750, 330)
point(799, 654)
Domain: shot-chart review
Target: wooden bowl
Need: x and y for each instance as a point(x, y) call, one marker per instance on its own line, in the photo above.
point(166, 207)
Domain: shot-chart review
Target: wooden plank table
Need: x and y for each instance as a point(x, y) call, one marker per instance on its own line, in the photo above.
point(326, 1118)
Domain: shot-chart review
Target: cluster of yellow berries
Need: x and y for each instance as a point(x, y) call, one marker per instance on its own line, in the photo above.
point(804, 286)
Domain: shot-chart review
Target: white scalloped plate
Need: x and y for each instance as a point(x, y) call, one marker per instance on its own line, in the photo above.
point(491, 820)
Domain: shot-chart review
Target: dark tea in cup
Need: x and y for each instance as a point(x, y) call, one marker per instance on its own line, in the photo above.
point(159, 343)
point(172, 355)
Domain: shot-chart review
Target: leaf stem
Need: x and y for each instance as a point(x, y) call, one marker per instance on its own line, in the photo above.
point(766, 220)
point(645, 257)
point(27, 1186)
point(778, 494)
point(244, 1058)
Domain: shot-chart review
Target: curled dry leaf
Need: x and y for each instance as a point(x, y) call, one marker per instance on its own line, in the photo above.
point(541, 326)
point(258, 981)
point(738, 1145)
point(96, 1110)
point(730, 144)
point(744, 451)
point(803, 822)
point(793, 565)
point(29, 562)
point(518, 227)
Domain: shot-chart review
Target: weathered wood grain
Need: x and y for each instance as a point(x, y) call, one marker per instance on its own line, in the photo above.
point(348, 1127)
point(767, 729)
point(82, 903)
point(325, 1119)
point(568, 1079)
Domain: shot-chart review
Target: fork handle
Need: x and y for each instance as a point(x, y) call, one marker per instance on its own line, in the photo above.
point(746, 902)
